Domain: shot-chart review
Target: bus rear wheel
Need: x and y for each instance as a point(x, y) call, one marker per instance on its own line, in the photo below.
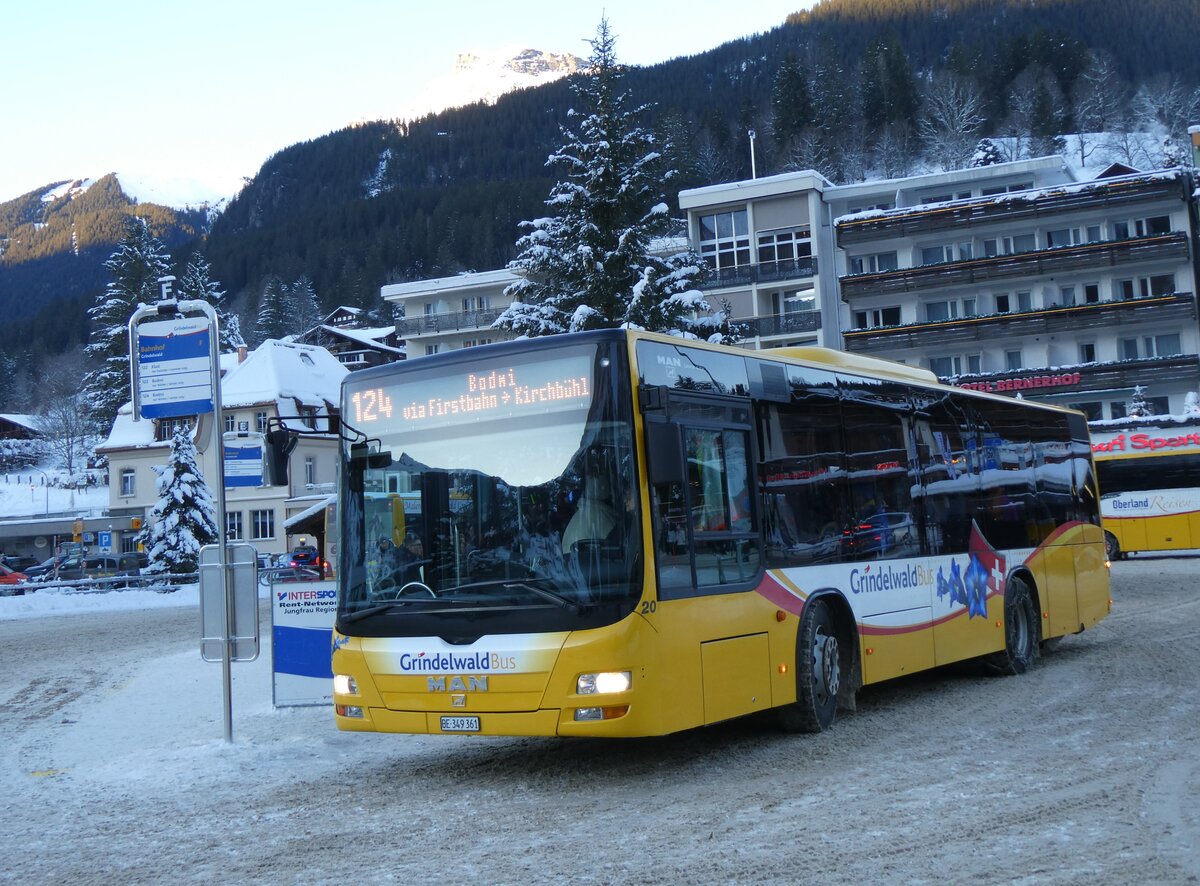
point(820, 670)
point(1112, 548)
point(1022, 631)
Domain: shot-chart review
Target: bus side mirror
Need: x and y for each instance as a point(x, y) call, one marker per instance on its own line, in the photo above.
point(664, 453)
point(280, 445)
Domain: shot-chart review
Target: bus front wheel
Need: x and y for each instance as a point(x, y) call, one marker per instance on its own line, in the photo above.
point(1112, 548)
point(1022, 631)
point(820, 670)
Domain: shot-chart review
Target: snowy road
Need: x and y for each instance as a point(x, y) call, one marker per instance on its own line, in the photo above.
point(112, 769)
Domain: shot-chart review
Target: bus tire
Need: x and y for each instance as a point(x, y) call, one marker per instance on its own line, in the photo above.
point(1022, 631)
point(821, 657)
point(1112, 548)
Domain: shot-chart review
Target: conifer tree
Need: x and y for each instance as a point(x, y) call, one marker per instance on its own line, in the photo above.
point(305, 310)
point(196, 283)
point(184, 517)
point(986, 154)
point(590, 265)
point(273, 308)
point(135, 267)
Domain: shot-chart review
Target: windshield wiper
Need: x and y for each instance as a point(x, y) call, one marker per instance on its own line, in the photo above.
point(390, 604)
point(569, 605)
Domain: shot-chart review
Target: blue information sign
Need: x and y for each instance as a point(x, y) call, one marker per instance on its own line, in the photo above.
point(174, 368)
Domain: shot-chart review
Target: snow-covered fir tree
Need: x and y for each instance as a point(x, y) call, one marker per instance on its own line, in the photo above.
point(1138, 407)
point(196, 283)
point(184, 517)
point(590, 265)
point(986, 154)
point(273, 307)
point(136, 266)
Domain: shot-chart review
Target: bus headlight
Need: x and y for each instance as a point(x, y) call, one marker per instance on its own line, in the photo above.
point(344, 684)
point(603, 682)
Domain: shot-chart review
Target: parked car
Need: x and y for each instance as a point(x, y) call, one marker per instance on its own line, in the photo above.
point(307, 557)
point(38, 572)
point(11, 576)
point(19, 563)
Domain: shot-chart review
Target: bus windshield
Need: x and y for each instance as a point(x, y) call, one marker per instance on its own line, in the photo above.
point(502, 480)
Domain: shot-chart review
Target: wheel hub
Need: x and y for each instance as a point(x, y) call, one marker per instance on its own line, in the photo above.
point(827, 672)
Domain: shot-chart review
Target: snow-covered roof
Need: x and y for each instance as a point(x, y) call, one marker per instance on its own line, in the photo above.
point(1028, 196)
point(316, 508)
point(129, 434)
point(372, 336)
point(287, 374)
point(29, 422)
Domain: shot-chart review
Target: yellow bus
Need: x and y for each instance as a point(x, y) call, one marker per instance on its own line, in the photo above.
point(1149, 474)
point(627, 534)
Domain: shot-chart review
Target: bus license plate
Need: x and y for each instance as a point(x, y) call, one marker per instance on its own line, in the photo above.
point(460, 724)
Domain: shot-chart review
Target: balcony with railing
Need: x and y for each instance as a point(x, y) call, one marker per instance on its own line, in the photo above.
point(452, 321)
point(780, 324)
point(1178, 307)
point(1022, 206)
point(1036, 263)
point(762, 272)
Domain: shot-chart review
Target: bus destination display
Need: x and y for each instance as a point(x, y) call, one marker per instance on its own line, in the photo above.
point(507, 390)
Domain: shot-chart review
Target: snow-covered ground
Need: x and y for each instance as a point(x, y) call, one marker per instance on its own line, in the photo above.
point(24, 493)
point(113, 770)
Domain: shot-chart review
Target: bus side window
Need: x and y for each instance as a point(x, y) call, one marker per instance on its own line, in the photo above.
point(883, 522)
point(949, 483)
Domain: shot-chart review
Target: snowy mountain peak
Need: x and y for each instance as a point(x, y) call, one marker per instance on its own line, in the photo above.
point(479, 76)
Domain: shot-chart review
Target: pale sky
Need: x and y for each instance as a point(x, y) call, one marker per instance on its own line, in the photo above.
point(209, 90)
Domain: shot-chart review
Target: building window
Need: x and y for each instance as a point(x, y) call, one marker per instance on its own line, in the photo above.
point(1002, 303)
point(974, 363)
point(431, 349)
point(1140, 287)
point(475, 342)
point(944, 367)
point(1066, 296)
point(1062, 237)
point(310, 470)
point(785, 246)
point(263, 524)
point(166, 427)
point(873, 264)
point(476, 303)
point(1128, 348)
point(1012, 360)
point(1009, 245)
point(877, 317)
point(1025, 301)
point(233, 526)
point(725, 239)
point(1158, 405)
point(260, 422)
point(936, 311)
point(230, 422)
point(796, 301)
point(128, 482)
point(1093, 234)
point(1163, 345)
point(1091, 293)
point(1087, 352)
point(936, 198)
point(968, 307)
point(1093, 411)
point(1142, 227)
point(1116, 409)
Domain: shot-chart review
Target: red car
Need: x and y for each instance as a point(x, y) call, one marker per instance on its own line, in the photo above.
point(11, 576)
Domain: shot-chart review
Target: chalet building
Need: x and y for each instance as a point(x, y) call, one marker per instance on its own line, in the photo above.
point(284, 380)
point(346, 335)
point(1074, 293)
